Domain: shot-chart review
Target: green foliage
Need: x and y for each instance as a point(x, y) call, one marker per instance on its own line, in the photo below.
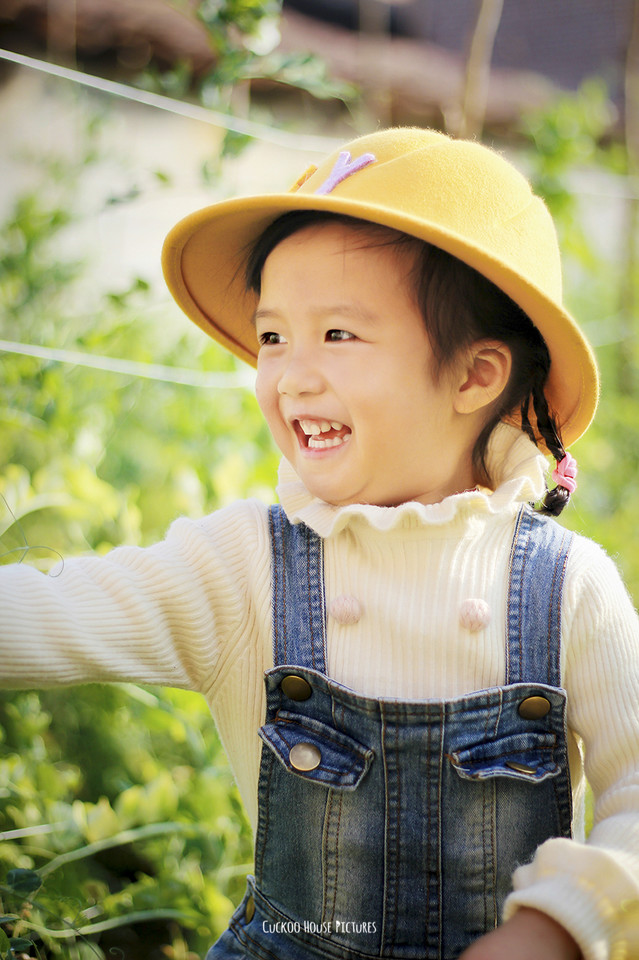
point(161, 842)
point(119, 801)
point(243, 35)
point(97, 459)
point(574, 152)
point(572, 132)
point(301, 70)
point(223, 18)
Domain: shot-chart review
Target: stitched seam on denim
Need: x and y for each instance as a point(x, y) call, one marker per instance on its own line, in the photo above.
point(487, 733)
point(521, 601)
point(493, 847)
point(279, 587)
point(339, 824)
point(560, 585)
point(506, 753)
point(309, 597)
point(275, 584)
point(428, 828)
point(560, 588)
point(265, 822)
point(284, 602)
point(511, 578)
point(428, 713)
point(440, 767)
point(251, 944)
point(484, 790)
point(549, 625)
point(567, 782)
point(424, 772)
point(311, 730)
point(385, 879)
point(553, 603)
point(420, 710)
point(563, 795)
point(329, 884)
point(321, 588)
point(559, 809)
point(325, 828)
point(398, 837)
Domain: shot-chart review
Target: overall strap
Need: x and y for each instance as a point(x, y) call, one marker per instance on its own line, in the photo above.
point(537, 568)
point(299, 620)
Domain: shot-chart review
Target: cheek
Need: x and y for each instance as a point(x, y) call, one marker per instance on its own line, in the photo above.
point(265, 391)
point(260, 393)
point(267, 396)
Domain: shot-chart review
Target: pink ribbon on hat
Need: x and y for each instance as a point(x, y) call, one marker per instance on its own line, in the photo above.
point(565, 473)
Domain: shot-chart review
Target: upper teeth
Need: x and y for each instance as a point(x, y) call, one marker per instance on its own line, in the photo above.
point(312, 428)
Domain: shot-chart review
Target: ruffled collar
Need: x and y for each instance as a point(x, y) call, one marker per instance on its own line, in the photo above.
point(512, 460)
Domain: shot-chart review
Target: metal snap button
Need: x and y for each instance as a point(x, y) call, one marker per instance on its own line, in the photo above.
point(305, 756)
point(534, 708)
point(249, 910)
point(296, 688)
point(520, 767)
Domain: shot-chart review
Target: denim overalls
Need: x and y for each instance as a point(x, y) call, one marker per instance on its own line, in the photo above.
point(390, 828)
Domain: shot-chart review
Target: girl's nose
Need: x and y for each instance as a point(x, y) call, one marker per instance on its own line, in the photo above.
point(300, 376)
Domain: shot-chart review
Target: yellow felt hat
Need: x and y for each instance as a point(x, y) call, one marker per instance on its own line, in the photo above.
point(456, 194)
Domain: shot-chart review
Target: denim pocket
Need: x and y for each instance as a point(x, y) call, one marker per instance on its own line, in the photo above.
point(519, 756)
point(316, 751)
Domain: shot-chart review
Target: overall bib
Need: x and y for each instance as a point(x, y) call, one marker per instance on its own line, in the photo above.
point(390, 828)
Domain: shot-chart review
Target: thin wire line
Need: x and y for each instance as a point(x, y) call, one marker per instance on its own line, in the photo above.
point(151, 371)
point(192, 111)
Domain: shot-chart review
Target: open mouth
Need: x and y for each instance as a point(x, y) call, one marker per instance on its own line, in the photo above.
point(321, 434)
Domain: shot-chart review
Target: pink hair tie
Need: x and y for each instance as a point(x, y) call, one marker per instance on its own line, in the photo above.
point(565, 473)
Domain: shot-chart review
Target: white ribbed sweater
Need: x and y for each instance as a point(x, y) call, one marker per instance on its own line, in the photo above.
point(401, 584)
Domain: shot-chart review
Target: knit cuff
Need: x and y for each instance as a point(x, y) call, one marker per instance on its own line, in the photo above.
point(587, 892)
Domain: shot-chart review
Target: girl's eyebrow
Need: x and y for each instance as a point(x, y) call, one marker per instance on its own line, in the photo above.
point(262, 313)
point(350, 311)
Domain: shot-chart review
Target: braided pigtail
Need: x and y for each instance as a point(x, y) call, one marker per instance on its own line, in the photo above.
point(565, 472)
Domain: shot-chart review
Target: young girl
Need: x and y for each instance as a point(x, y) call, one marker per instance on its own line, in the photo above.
point(432, 666)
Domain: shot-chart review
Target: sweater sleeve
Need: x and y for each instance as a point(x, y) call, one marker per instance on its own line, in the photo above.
point(175, 614)
point(592, 889)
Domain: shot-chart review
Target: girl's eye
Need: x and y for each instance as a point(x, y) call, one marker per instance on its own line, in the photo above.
point(269, 338)
point(334, 336)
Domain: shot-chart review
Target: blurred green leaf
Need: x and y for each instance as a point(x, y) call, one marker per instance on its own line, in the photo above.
point(23, 882)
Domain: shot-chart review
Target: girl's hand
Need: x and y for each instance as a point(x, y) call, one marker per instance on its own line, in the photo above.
point(528, 935)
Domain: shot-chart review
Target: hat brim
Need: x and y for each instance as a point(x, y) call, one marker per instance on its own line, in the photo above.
point(205, 254)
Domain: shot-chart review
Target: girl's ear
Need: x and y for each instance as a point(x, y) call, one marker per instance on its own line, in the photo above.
point(483, 375)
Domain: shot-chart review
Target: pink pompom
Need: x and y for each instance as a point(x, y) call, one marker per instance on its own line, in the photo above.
point(565, 473)
point(345, 609)
point(474, 615)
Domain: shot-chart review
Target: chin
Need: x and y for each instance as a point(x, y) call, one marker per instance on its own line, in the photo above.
point(336, 500)
point(327, 495)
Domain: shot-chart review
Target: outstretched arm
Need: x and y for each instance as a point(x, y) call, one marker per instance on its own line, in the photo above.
point(171, 614)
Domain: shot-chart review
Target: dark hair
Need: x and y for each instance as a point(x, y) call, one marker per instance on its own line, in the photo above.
point(445, 287)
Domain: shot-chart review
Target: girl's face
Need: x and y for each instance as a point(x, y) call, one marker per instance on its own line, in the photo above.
point(345, 373)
